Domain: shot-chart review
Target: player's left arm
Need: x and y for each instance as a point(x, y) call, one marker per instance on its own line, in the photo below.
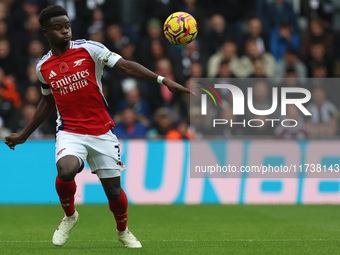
point(135, 70)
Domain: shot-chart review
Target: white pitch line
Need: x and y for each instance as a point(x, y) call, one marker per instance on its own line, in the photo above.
point(226, 240)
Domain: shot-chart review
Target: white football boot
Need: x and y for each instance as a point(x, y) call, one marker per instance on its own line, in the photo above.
point(62, 232)
point(128, 239)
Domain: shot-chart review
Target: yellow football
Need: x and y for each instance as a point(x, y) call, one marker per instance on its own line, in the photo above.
point(180, 28)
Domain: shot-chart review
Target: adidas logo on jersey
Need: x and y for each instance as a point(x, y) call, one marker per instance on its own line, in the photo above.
point(52, 74)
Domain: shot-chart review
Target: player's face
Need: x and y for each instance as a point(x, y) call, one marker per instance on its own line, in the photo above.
point(58, 31)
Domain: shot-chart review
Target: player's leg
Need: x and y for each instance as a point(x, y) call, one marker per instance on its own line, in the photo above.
point(118, 204)
point(70, 157)
point(104, 160)
point(68, 166)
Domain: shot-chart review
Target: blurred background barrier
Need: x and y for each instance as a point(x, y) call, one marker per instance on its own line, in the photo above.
point(158, 173)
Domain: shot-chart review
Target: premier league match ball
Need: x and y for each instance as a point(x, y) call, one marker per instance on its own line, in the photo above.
point(180, 28)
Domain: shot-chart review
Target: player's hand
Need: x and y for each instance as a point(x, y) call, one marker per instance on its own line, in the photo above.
point(13, 139)
point(174, 87)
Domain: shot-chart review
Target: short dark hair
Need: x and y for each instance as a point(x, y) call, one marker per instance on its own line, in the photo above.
point(292, 51)
point(50, 12)
point(290, 69)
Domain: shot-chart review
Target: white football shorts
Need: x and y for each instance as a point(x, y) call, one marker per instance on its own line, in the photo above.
point(101, 152)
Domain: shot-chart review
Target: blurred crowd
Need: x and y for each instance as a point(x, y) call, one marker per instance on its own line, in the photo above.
point(259, 39)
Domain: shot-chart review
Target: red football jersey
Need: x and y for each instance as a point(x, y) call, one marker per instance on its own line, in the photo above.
point(74, 79)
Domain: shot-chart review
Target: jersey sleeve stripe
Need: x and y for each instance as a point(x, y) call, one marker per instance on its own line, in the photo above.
point(93, 43)
point(88, 42)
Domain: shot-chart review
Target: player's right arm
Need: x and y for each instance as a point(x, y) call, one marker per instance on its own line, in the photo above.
point(43, 110)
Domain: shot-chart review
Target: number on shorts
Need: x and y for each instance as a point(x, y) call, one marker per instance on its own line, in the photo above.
point(118, 153)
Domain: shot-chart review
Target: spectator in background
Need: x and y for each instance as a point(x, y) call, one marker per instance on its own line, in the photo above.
point(180, 106)
point(164, 68)
point(155, 47)
point(259, 69)
point(134, 101)
point(290, 61)
point(197, 129)
point(190, 6)
point(278, 11)
point(255, 31)
point(98, 36)
point(227, 52)
point(292, 80)
point(323, 9)
point(154, 33)
point(32, 30)
point(28, 111)
point(73, 9)
point(227, 130)
point(262, 98)
point(196, 70)
point(291, 74)
point(160, 9)
point(224, 71)
point(180, 132)
point(319, 70)
point(128, 50)
point(4, 11)
point(4, 31)
point(260, 127)
point(10, 101)
point(35, 51)
point(324, 119)
point(32, 96)
point(31, 77)
point(282, 38)
point(154, 30)
point(155, 51)
point(330, 86)
point(317, 34)
point(129, 126)
point(298, 129)
point(244, 67)
point(131, 15)
point(97, 22)
point(115, 39)
point(24, 10)
point(8, 89)
point(163, 123)
point(218, 31)
point(317, 56)
point(7, 61)
point(234, 11)
point(191, 54)
point(195, 8)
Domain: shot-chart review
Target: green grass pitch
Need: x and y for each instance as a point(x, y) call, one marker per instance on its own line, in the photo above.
point(177, 229)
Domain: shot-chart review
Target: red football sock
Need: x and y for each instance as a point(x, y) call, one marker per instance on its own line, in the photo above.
point(66, 191)
point(119, 209)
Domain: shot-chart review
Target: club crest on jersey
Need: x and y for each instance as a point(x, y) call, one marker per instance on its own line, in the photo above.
point(78, 62)
point(63, 67)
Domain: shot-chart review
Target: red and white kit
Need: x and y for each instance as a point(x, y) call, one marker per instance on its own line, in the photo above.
point(74, 79)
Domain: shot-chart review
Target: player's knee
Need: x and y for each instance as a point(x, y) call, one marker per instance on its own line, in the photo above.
point(66, 176)
point(114, 193)
point(66, 172)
